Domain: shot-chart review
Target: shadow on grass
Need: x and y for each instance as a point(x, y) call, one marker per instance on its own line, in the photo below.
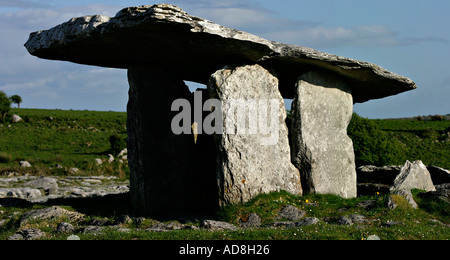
point(104, 206)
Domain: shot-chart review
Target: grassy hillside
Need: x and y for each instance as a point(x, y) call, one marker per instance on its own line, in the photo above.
point(428, 141)
point(47, 138)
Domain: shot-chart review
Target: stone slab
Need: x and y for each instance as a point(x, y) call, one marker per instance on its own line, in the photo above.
point(321, 149)
point(194, 48)
point(251, 160)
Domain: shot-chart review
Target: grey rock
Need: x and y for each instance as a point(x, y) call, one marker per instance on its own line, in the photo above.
point(253, 220)
point(214, 225)
point(442, 192)
point(252, 160)
point(391, 223)
point(31, 234)
point(99, 161)
point(282, 224)
point(344, 221)
point(64, 227)
point(164, 227)
point(123, 219)
point(307, 222)
point(93, 230)
point(24, 164)
point(15, 236)
point(358, 219)
point(22, 193)
point(73, 170)
point(54, 212)
point(16, 119)
point(73, 237)
point(413, 176)
point(291, 213)
point(206, 45)
point(123, 230)
point(49, 185)
point(321, 149)
point(100, 222)
point(406, 194)
point(373, 237)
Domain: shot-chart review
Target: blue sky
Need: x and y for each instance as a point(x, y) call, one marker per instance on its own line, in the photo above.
point(410, 38)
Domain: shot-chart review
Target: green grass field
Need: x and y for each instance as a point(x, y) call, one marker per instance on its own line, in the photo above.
point(47, 138)
point(428, 141)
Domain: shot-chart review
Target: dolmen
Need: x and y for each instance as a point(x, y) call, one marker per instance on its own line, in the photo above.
point(190, 153)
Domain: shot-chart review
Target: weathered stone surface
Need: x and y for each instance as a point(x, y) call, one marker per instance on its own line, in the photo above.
point(163, 178)
point(406, 194)
point(49, 185)
point(24, 164)
point(253, 154)
point(16, 119)
point(22, 193)
point(65, 227)
point(413, 176)
point(194, 48)
point(321, 149)
point(50, 213)
point(214, 225)
point(290, 213)
point(252, 220)
point(27, 234)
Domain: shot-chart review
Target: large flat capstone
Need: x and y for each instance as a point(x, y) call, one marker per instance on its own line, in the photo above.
point(194, 48)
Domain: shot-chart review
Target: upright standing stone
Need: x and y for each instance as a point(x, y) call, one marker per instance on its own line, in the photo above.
point(161, 163)
point(322, 151)
point(253, 151)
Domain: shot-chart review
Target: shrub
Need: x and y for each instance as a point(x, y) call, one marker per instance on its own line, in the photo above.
point(117, 143)
point(5, 158)
point(5, 106)
point(372, 145)
point(437, 118)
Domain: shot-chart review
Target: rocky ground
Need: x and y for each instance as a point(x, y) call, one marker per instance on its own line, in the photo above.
point(39, 189)
point(70, 207)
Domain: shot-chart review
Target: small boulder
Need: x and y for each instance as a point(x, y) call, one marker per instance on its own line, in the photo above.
point(65, 227)
point(16, 119)
point(291, 213)
point(99, 161)
point(413, 176)
point(24, 164)
point(217, 225)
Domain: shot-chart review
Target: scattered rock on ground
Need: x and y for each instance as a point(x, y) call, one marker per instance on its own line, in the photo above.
point(291, 213)
point(16, 119)
point(64, 227)
point(24, 164)
point(252, 220)
point(54, 212)
point(164, 227)
point(217, 225)
point(27, 234)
